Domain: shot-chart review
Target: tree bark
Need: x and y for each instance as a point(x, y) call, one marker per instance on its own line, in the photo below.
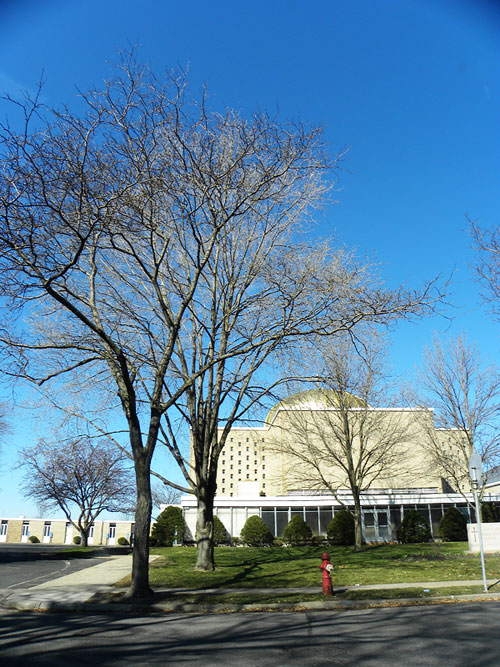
point(140, 555)
point(205, 528)
point(358, 531)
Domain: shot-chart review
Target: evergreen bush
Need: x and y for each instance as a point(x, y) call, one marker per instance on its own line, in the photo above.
point(221, 536)
point(77, 539)
point(453, 526)
point(255, 533)
point(340, 530)
point(297, 531)
point(33, 539)
point(122, 541)
point(169, 526)
point(414, 528)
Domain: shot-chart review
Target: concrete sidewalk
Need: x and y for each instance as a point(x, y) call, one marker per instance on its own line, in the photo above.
point(81, 591)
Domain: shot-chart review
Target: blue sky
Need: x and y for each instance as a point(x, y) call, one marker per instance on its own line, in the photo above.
point(411, 87)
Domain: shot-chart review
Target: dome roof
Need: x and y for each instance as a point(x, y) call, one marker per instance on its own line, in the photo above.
point(315, 399)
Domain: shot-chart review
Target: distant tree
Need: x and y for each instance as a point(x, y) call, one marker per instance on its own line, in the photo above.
point(168, 528)
point(414, 528)
point(164, 495)
point(255, 533)
point(453, 526)
point(297, 531)
point(80, 474)
point(347, 443)
point(465, 396)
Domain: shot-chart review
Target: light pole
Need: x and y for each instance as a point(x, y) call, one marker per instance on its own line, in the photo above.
point(475, 471)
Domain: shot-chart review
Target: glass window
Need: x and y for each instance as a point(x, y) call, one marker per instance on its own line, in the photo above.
point(325, 516)
point(268, 518)
point(282, 520)
point(312, 519)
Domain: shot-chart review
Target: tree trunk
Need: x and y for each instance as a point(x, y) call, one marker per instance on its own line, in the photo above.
point(84, 542)
point(205, 529)
point(358, 530)
point(140, 555)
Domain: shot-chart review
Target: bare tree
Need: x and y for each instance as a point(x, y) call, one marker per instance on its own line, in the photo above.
point(465, 395)
point(108, 222)
point(164, 495)
point(335, 439)
point(151, 248)
point(487, 245)
point(91, 476)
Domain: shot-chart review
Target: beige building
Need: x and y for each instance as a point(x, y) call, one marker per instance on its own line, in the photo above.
point(60, 531)
point(270, 470)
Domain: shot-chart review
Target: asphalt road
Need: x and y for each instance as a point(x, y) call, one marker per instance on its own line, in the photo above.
point(27, 565)
point(454, 635)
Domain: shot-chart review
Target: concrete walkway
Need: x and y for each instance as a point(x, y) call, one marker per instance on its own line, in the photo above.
point(74, 593)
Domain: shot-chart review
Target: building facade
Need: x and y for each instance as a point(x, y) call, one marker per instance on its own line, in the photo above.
point(60, 531)
point(269, 470)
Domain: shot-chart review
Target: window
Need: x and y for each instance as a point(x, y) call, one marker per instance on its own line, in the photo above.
point(26, 528)
point(46, 529)
point(248, 476)
point(112, 531)
point(3, 527)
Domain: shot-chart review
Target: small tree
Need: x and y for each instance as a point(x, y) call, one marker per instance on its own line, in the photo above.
point(255, 533)
point(169, 527)
point(297, 531)
point(91, 476)
point(453, 526)
point(414, 528)
point(341, 529)
point(221, 536)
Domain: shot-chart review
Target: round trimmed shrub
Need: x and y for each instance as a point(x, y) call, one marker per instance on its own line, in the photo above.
point(340, 530)
point(33, 539)
point(169, 526)
point(122, 541)
point(255, 533)
point(453, 526)
point(221, 536)
point(297, 531)
point(77, 539)
point(489, 513)
point(414, 528)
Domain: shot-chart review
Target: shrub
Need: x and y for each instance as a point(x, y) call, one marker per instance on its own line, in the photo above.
point(414, 528)
point(340, 530)
point(221, 536)
point(33, 539)
point(489, 513)
point(122, 541)
point(77, 539)
point(169, 526)
point(297, 531)
point(453, 526)
point(255, 532)
point(235, 542)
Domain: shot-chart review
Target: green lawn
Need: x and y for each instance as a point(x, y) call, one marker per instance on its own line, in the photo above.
point(271, 567)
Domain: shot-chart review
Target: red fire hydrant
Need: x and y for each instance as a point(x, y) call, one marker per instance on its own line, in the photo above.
point(327, 567)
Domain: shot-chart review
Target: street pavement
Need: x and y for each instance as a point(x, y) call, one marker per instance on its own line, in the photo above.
point(464, 635)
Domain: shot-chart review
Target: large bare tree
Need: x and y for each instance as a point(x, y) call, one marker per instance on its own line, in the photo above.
point(156, 251)
point(336, 437)
point(89, 476)
point(465, 396)
point(108, 221)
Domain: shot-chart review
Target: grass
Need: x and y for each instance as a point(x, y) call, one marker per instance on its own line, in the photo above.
point(281, 567)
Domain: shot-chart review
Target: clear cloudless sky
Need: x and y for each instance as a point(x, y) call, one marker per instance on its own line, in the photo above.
point(412, 87)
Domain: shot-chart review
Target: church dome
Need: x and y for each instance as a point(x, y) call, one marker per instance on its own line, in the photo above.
point(315, 399)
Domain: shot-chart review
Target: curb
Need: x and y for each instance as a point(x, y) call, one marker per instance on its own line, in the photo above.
point(180, 607)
